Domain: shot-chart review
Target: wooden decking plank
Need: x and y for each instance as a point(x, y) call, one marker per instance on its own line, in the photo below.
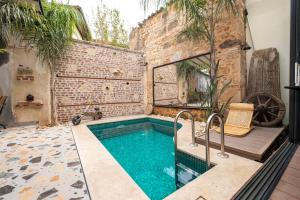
point(291, 179)
point(289, 183)
point(278, 195)
point(295, 164)
point(297, 156)
point(252, 146)
point(292, 172)
point(288, 188)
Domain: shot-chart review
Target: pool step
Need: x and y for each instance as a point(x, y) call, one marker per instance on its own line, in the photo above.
point(185, 175)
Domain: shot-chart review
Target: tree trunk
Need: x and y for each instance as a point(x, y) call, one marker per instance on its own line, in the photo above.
point(52, 94)
point(213, 64)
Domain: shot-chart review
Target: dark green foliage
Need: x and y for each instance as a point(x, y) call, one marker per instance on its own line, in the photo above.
point(15, 18)
point(187, 70)
point(196, 97)
point(50, 33)
point(214, 93)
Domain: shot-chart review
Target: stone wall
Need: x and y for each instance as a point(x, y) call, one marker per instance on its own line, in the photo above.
point(158, 38)
point(199, 114)
point(103, 76)
point(166, 85)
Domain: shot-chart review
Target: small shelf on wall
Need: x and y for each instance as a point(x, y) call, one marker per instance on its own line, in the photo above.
point(29, 104)
point(25, 78)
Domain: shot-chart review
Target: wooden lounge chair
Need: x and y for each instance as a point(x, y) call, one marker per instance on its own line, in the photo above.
point(2, 103)
point(239, 119)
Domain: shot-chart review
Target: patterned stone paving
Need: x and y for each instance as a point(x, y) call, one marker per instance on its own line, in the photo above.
point(38, 164)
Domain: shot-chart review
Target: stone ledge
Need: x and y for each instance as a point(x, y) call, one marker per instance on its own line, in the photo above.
point(108, 46)
point(32, 104)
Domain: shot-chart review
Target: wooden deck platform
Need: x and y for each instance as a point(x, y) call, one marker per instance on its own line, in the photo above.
point(289, 185)
point(253, 146)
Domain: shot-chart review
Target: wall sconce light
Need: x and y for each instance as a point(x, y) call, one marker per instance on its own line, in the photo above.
point(245, 47)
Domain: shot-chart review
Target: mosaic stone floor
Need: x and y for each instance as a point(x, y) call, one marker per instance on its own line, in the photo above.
point(38, 164)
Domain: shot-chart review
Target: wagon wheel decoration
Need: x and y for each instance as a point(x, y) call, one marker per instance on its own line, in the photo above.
point(269, 110)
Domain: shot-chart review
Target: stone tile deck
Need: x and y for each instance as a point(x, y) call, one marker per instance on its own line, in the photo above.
point(40, 164)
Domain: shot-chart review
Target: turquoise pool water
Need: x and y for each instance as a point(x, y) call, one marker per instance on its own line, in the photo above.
point(145, 149)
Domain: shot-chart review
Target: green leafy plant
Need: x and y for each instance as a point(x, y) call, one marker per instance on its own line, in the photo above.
point(53, 35)
point(214, 93)
point(186, 68)
point(196, 97)
point(15, 17)
point(109, 27)
point(50, 34)
point(201, 18)
point(187, 71)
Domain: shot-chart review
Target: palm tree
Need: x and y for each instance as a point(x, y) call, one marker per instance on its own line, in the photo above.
point(50, 34)
point(15, 17)
point(202, 17)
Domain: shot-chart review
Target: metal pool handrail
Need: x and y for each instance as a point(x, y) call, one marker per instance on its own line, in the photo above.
point(222, 154)
point(175, 136)
point(175, 129)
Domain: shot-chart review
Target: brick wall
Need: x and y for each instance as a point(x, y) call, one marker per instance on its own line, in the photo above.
point(157, 38)
point(106, 77)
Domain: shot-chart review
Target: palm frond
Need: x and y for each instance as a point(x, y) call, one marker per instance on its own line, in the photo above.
point(157, 3)
point(226, 6)
point(224, 106)
point(50, 33)
point(15, 17)
point(194, 32)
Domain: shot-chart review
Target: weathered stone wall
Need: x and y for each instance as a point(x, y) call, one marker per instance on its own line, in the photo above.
point(158, 38)
point(166, 85)
point(103, 76)
point(199, 114)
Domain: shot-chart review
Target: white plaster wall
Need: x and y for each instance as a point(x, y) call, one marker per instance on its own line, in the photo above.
point(269, 22)
point(39, 88)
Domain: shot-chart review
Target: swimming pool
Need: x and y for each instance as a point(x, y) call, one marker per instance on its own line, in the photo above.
point(145, 149)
